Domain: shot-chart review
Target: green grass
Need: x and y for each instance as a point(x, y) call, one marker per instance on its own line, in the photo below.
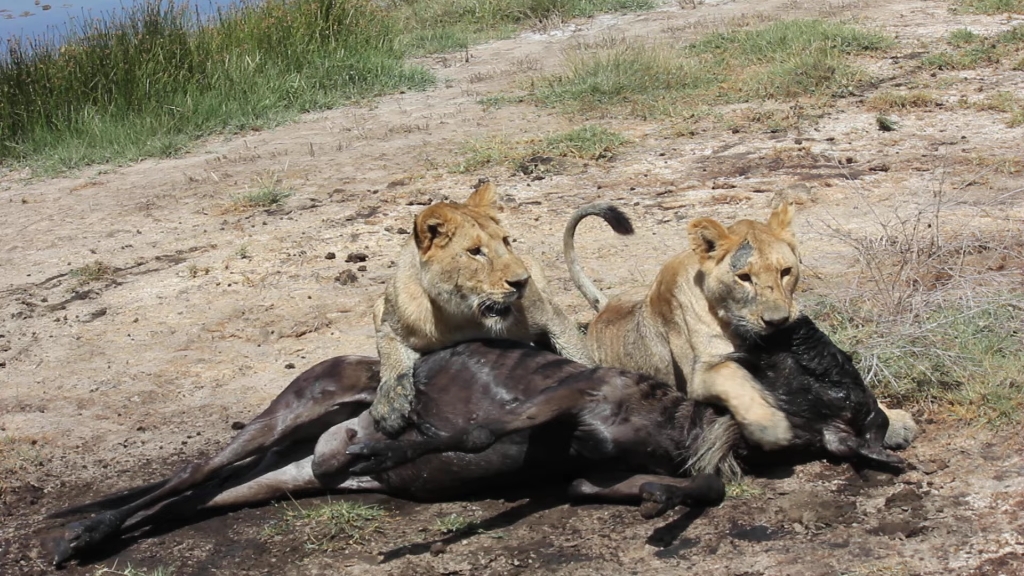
point(1006, 102)
point(990, 6)
point(326, 524)
point(151, 80)
point(431, 26)
point(743, 490)
point(263, 197)
point(91, 272)
point(451, 524)
point(960, 357)
point(780, 61)
point(588, 142)
point(971, 50)
point(899, 100)
point(154, 78)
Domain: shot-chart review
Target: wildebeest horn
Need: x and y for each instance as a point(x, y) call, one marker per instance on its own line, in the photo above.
point(840, 442)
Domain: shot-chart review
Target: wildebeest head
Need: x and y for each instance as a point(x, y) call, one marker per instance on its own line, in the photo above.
point(822, 393)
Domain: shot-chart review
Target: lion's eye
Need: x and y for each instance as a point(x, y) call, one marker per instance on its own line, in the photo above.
point(786, 272)
point(743, 278)
point(475, 251)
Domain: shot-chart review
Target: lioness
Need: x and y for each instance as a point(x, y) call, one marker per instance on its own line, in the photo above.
point(733, 284)
point(458, 280)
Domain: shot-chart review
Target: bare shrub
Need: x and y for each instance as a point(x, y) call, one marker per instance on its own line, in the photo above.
point(934, 308)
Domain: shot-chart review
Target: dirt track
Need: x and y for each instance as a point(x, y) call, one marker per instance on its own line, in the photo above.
point(117, 381)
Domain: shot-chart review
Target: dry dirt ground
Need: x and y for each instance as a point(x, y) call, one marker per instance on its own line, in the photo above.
point(206, 312)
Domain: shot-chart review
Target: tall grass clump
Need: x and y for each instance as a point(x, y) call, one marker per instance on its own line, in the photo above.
point(990, 6)
point(934, 312)
point(431, 26)
point(158, 75)
point(587, 142)
point(783, 60)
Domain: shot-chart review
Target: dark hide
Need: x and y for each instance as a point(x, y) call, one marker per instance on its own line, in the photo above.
point(490, 413)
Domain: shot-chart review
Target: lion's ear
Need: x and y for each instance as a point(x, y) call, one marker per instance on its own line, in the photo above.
point(707, 236)
point(781, 218)
point(484, 198)
point(431, 228)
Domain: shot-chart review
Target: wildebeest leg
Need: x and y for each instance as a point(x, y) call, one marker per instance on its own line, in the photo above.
point(557, 401)
point(328, 393)
point(657, 494)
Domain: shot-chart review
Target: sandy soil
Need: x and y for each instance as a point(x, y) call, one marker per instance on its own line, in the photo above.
point(208, 311)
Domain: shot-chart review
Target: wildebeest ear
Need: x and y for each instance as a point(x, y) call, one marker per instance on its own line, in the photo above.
point(841, 443)
point(781, 218)
point(485, 198)
point(707, 236)
point(431, 229)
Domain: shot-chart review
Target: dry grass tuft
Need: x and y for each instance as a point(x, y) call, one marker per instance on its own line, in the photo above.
point(588, 142)
point(890, 100)
point(935, 310)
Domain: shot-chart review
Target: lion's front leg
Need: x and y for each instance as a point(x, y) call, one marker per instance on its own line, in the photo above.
point(729, 384)
point(390, 409)
point(547, 320)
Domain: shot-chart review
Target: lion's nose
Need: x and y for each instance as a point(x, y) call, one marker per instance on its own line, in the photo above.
point(775, 319)
point(518, 284)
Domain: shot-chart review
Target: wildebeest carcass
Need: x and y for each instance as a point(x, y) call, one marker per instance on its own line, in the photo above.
point(488, 414)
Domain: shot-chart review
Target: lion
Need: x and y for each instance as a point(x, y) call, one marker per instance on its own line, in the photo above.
point(734, 284)
point(458, 279)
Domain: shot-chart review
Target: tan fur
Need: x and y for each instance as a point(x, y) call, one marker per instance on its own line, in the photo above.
point(457, 265)
point(740, 278)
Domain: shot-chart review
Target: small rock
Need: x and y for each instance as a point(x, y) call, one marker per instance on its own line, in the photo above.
point(365, 212)
point(401, 230)
point(932, 466)
point(361, 268)
point(95, 314)
point(289, 366)
point(438, 548)
point(904, 498)
point(237, 425)
point(720, 185)
point(330, 256)
point(400, 182)
point(357, 257)
point(899, 529)
point(422, 201)
point(879, 167)
point(346, 277)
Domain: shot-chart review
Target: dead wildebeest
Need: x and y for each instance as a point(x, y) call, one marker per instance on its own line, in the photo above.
point(525, 415)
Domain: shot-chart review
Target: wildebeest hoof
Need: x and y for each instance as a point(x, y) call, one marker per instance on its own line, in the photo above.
point(380, 456)
point(701, 491)
point(80, 536)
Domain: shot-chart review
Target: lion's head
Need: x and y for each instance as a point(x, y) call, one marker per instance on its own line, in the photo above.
point(749, 270)
point(466, 261)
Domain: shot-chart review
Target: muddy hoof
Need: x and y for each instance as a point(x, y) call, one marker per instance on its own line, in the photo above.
point(703, 490)
point(81, 536)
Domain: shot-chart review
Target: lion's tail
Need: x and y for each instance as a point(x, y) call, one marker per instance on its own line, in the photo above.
point(620, 224)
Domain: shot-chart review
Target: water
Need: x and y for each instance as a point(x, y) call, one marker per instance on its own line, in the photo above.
point(34, 18)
